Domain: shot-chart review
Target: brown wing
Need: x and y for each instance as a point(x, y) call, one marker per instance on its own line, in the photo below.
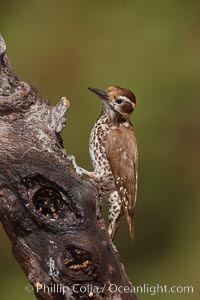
point(122, 153)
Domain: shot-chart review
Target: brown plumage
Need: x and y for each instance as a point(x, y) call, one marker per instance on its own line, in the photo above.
point(114, 155)
point(122, 156)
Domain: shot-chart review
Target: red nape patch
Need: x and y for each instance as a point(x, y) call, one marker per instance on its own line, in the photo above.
point(133, 99)
point(130, 95)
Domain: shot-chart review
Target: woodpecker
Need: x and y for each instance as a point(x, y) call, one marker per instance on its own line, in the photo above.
point(114, 155)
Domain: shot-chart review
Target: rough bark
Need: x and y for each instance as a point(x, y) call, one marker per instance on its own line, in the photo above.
point(47, 211)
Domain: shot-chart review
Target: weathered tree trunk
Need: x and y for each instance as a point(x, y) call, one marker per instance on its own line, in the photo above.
point(47, 211)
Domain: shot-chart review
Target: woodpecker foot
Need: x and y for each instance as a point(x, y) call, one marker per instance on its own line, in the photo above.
point(80, 171)
point(114, 247)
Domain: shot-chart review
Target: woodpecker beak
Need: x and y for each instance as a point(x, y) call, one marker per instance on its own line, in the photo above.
point(101, 93)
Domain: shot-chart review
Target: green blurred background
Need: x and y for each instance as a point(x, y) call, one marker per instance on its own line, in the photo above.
point(152, 47)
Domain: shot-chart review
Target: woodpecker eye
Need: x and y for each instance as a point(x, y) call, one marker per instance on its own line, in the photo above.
point(119, 101)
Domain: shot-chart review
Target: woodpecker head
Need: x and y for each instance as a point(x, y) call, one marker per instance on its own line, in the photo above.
point(117, 99)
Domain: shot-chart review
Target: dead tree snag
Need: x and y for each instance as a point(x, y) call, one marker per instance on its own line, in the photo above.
point(47, 211)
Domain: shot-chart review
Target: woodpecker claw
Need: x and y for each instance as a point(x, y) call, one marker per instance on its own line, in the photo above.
point(71, 158)
point(80, 171)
